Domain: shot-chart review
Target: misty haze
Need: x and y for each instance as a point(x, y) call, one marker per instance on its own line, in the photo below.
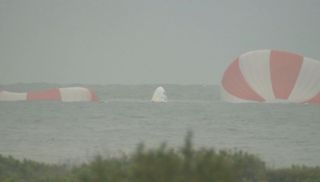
point(144, 90)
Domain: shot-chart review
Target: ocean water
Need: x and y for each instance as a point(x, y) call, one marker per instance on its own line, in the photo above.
point(55, 132)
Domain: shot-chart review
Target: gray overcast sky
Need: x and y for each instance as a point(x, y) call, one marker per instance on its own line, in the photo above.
point(146, 41)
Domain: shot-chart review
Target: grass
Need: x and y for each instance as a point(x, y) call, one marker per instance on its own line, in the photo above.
point(162, 164)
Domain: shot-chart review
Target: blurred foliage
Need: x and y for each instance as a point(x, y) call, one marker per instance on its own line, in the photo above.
point(162, 164)
point(12, 170)
point(295, 174)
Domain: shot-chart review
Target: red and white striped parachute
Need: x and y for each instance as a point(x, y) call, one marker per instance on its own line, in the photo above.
point(68, 94)
point(272, 76)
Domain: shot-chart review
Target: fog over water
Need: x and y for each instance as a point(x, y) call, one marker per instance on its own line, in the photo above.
point(143, 41)
point(56, 132)
point(125, 49)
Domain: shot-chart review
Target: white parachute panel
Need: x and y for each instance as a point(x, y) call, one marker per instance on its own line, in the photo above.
point(74, 94)
point(308, 82)
point(159, 95)
point(255, 69)
point(12, 96)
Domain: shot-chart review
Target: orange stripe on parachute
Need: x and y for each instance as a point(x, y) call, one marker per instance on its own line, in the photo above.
point(234, 83)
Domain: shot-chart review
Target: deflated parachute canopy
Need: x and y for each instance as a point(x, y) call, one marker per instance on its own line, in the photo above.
point(159, 95)
point(272, 76)
point(68, 94)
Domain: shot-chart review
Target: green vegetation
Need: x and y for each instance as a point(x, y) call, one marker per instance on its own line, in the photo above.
point(295, 174)
point(12, 170)
point(160, 165)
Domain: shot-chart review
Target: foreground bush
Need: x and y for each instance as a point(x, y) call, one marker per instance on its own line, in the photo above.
point(168, 165)
point(295, 174)
point(160, 165)
point(27, 170)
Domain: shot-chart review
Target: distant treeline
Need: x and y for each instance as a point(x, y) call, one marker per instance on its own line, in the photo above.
point(162, 164)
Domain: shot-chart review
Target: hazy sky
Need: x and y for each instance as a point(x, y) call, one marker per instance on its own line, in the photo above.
point(146, 41)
